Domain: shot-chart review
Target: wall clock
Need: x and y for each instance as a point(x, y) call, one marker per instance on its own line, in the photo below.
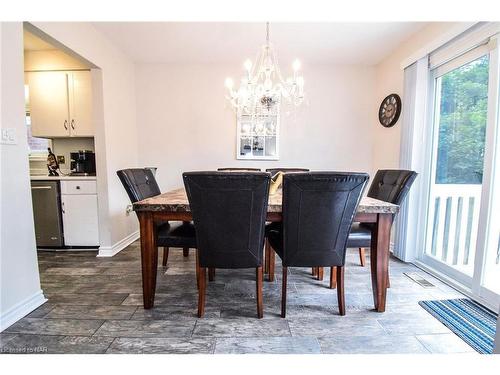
point(389, 111)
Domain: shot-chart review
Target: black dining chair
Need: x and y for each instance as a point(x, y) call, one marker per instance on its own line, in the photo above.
point(389, 185)
point(318, 210)
point(275, 225)
point(229, 212)
point(140, 183)
point(238, 169)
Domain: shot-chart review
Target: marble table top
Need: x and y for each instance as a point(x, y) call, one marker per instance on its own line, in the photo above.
point(177, 201)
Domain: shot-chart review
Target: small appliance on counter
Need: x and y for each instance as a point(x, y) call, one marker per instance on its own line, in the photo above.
point(82, 163)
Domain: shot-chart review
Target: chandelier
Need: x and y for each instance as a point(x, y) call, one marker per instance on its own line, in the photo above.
point(263, 87)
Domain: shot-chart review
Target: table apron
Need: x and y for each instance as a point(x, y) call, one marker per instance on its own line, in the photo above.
point(361, 217)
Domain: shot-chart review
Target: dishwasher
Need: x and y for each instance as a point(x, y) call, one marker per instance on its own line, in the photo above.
point(46, 197)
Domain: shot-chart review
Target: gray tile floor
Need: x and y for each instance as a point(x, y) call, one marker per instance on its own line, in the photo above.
point(95, 306)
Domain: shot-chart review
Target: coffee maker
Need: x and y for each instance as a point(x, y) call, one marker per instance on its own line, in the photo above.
point(82, 163)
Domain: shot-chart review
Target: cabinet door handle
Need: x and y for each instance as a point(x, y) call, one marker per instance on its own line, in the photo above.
point(62, 208)
point(73, 124)
point(66, 124)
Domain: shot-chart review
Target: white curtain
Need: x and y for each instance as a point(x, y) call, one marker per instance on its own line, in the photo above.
point(412, 156)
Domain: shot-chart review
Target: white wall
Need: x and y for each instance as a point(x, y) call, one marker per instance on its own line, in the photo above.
point(389, 79)
point(116, 137)
point(185, 123)
point(20, 291)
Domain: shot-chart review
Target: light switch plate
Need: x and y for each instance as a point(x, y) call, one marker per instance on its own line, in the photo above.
point(9, 136)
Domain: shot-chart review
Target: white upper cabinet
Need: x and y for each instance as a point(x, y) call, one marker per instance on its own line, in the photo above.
point(49, 104)
point(60, 104)
point(80, 104)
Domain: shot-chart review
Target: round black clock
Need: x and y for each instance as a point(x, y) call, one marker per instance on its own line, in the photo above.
point(389, 111)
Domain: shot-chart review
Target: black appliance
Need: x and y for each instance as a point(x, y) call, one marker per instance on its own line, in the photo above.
point(82, 163)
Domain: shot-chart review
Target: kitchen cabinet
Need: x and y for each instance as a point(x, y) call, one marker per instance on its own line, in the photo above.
point(79, 213)
point(60, 104)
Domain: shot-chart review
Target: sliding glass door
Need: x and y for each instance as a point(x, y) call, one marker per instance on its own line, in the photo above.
point(462, 225)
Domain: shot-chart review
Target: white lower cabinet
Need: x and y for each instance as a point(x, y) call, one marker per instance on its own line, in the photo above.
point(79, 208)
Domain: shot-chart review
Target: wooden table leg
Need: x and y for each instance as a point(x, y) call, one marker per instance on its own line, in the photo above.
point(149, 257)
point(267, 252)
point(272, 263)
point(379, 259)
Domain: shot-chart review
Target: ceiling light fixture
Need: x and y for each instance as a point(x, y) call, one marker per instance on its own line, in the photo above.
point(262, 86)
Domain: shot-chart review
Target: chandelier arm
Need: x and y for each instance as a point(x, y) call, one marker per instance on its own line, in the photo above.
point(264, 86)
point(277, 68)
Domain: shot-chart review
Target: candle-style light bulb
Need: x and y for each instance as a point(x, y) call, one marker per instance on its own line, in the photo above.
point(229, 83)
point(296, 65)
point(248, 65)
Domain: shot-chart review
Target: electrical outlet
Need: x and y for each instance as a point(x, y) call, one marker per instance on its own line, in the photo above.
point(61, 159)
point(129, 209)
point(9, 136)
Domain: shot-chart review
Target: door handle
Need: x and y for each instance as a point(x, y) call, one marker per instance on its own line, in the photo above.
point(41, 187)
point(73, 124)
point(66, 124)
point(62, 208)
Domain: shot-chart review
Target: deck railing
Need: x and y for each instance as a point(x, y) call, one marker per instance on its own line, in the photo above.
point(453, 224)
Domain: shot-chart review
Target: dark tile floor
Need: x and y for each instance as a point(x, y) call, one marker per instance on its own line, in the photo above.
point(95, 306)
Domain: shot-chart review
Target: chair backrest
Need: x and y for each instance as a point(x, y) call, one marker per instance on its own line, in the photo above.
point(318, 210)
point(391, 185)
point(229, 214)
point(238, 169)
point(273, 171)
point(140, 183)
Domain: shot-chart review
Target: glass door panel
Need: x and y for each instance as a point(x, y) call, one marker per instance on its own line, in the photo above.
point(461, 109)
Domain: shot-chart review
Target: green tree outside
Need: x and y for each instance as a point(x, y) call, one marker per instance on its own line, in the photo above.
point(462, 124)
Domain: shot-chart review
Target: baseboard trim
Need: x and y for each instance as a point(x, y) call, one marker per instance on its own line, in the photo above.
point(22, 309)
point(109, 251)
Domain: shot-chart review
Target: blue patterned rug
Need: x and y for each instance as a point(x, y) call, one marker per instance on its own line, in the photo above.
point(467, 319)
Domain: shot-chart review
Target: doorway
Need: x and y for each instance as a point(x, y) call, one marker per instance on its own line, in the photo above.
point(462, 233)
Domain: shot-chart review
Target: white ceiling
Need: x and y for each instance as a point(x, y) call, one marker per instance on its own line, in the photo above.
point(217, 42)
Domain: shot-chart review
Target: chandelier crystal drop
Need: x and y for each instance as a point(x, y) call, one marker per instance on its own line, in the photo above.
point(262, 87)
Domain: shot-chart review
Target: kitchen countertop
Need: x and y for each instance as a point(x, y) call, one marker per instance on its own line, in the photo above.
point(61, 178)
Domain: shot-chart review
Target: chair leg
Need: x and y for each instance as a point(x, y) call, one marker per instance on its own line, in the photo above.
point(340, 290)
point(320, 273)
point(197, 270)
point(165, 257)
point(185, 251)
point(211, 274)
point(333, 277)
point(283, 292)
point(362, 258)
point(260, 305)
point(272, 263)
point(201, 291)
point(314, 271)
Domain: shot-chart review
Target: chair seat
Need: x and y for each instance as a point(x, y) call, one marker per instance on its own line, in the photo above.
point(275, 225)
point(275, 238)
point(360, 235)
point(176, 234)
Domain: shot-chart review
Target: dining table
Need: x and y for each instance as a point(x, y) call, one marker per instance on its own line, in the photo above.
point(174, 206)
